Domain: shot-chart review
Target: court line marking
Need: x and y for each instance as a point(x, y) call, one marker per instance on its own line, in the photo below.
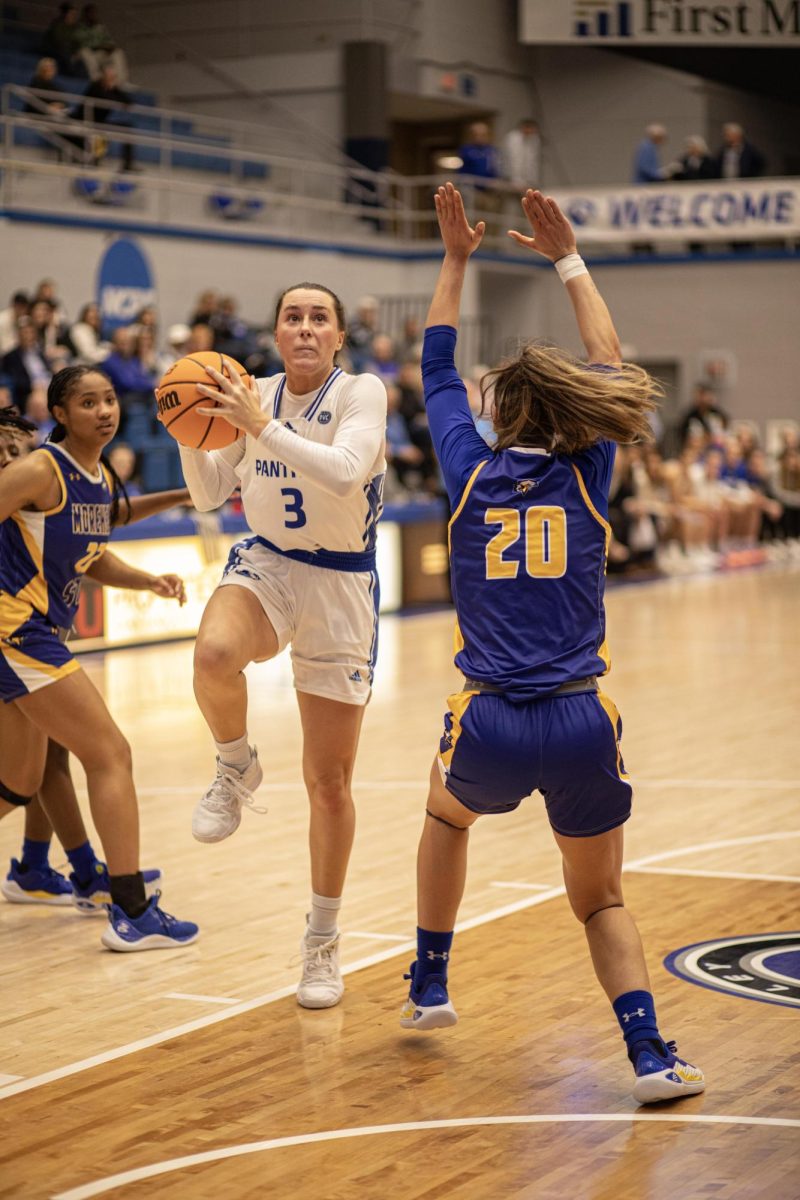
point(376, 937)
point(526, 887)
point(156, 1039)
point(200, 999)
point(137, 1174)
point(10, 1078)
point(403, 785)
point(712, 874)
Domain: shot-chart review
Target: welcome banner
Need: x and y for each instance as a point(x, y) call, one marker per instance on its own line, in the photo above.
point(660, 22)
point(726, 210)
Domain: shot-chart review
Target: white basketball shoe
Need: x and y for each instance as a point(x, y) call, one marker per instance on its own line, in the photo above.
point(321, 985)
point(219, 812)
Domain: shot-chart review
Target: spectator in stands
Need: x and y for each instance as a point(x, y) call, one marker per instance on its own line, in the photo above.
point(98, 96)
point(231, 333)
point(44, 80)
point(44, 318)
point(695, 162)
point(786, 488)
point(362, 330)
point(26, 366)
point(382, 360)
point(86, 337)
point(521, 155)
point(178, 337)
point(737, 158)
point(38, 412)
point(647, 166)
point(61, 39)
point(6, 396)
point(97, 48)
point(207, 305)
point(147, 318)
point(47, 289)
point(481, 158)
point(403, 458)
point(131, 379)
point(705, 413)
point(123, 459)
point(760, 483)
point(410, 346)
point(19, 307)
point(201, 337)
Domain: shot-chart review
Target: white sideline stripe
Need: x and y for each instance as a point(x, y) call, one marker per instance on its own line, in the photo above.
point(403, 785)
point(9, 1078)
point(712, 874)
point(200, 999)
point(156, 1039)
point(333, 1135)
point(377, 937)
point(523, 887)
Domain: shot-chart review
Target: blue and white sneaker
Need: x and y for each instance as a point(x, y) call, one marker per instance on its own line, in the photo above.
point(661, 1075)
point(96, 895)
point(153, 930)
point(33, 886)
point(430, 1007)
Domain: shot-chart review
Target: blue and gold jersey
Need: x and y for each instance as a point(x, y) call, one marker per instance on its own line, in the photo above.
point(528, 543)
point(43, 555)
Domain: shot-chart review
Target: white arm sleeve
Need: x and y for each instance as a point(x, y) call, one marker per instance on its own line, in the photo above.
point(211, 474)
point(341, 468)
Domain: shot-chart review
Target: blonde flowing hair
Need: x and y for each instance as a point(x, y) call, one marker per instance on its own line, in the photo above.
point(546, 397)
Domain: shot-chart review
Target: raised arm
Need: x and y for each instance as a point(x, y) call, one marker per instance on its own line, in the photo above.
point(460, 241)
point(554, 238)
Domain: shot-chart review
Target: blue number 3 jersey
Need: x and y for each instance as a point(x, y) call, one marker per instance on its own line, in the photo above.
point(43, 555)
point(528, 542)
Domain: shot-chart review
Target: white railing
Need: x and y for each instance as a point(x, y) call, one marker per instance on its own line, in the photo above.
point(312, 199)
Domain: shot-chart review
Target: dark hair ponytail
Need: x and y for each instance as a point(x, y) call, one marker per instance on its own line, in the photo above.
point(58, 392)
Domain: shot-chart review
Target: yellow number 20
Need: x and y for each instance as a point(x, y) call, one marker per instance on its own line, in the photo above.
point(545, 542)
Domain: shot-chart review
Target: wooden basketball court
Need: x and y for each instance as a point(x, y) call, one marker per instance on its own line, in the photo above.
point(195, 1075)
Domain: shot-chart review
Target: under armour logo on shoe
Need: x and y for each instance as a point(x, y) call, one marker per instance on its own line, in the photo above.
point(639, 1012)
point(355, 677)
point(431, 955)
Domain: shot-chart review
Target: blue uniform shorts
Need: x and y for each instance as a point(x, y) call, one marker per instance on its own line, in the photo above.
point(495, 752)
point(33, 657)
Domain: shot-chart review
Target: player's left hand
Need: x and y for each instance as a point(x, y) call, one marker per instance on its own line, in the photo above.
point(236, 402)
point(553, 236)
point(459, 237)
point(171, 587)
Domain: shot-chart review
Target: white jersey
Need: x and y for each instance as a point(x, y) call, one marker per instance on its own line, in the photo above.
point(313, 481)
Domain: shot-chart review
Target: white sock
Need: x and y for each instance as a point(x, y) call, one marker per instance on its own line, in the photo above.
point(323, 919)
point(235, 754)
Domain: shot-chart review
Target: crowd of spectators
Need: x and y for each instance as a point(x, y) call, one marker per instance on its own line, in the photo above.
point(717, 500)
point(736, 158)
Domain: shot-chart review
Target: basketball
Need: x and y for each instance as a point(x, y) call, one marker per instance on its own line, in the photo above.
point(178, 400)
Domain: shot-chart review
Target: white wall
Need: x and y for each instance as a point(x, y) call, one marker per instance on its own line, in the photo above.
point(674, 312)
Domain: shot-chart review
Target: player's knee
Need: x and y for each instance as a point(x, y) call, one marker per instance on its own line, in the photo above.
point(330, 793)
point(18, 799)
point(110, 751)
point(215, 657)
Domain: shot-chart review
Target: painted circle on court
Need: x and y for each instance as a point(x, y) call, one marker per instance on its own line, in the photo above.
point(763, 967)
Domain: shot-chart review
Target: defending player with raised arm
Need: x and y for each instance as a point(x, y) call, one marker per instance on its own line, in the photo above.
point(528, 543)
point(310, 465)
point(57, 507)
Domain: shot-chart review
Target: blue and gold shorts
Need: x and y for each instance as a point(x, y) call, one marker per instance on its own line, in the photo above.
point(495, 752)
point(31, 658)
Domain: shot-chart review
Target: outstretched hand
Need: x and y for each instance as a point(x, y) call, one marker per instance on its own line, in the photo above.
point(239, 404)
point(460, 239)
point(170, 587)
point(553, 236)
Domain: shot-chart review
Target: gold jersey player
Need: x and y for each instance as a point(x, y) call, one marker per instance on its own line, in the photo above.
point(528, 542)
point(310, 466)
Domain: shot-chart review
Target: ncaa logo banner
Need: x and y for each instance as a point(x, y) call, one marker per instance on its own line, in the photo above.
point(660, 22)
point(124, 284)
point(762, 967)
point(711, 211)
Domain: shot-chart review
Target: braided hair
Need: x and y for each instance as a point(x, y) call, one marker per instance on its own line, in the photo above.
point(59, 391)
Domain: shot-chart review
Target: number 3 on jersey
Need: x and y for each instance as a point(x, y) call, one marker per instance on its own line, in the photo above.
point(294, 508)
point(545, 536)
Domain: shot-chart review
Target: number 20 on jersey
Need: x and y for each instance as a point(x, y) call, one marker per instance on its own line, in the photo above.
point(542, 528)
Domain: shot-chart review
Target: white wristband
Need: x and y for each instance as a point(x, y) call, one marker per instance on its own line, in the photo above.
point(569, 266)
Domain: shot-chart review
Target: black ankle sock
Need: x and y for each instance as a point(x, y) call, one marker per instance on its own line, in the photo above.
point(127, 892)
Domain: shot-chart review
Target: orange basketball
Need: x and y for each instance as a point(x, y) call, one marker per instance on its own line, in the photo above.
point(178, 399)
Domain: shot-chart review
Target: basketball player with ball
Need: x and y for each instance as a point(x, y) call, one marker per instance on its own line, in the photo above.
point(306, 449)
